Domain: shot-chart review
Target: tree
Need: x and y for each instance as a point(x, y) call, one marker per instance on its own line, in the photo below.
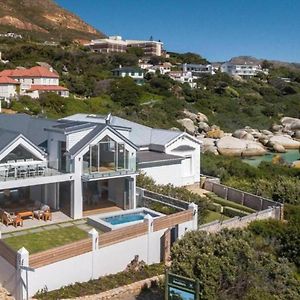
point(137, 51)
point(126, 92)
point(230, 265)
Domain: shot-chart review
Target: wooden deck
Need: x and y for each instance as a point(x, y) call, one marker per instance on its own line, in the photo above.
point(101, 208)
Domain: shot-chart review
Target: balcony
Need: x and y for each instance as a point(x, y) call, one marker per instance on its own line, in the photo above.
point(24, 169)
point(109, 169)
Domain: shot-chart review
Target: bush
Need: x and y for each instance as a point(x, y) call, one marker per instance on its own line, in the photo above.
point(103, 283)
point(215, 207)
point(233, 212)
point(180, 193)
point(229, 203)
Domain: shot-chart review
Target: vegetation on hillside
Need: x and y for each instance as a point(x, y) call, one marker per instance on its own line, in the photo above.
point(277, 182)
point(229, 103)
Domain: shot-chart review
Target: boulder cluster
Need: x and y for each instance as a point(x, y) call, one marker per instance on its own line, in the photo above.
point(243, 142)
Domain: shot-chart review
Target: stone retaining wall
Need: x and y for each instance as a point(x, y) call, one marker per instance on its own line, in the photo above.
point(123, 291)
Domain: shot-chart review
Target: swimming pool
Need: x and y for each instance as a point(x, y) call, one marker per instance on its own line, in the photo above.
point(127, 218)
point(114, 220)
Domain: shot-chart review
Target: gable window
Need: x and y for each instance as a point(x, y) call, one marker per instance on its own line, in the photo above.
point(19, 153)
point(106, 156)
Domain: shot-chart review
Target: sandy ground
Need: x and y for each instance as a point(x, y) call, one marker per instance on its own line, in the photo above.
point(196, 189)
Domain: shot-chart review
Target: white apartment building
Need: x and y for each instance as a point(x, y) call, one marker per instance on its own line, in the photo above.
point(117, 44)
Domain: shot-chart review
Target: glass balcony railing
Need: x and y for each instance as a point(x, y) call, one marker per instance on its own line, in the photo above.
point(22, 169)
point(109, 169)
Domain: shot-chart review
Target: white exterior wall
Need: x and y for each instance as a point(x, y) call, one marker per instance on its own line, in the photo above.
point(53, 139)
point(8, 91)
point(104, 261)
point(194, 172)
point(134, 76)
point(76, 212)
point(165, 174)
point(9, 277)
point(75, 137)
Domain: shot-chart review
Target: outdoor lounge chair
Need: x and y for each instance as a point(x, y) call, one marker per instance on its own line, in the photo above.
point(8, 219)
point(40, 213)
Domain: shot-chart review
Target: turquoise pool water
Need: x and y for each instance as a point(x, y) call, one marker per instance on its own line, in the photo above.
point(126, 218)
point(289, 156)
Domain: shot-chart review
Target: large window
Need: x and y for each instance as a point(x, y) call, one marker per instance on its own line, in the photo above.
point(19, 153)
point(106, 156)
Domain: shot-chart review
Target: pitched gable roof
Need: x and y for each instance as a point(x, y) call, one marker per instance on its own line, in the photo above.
point(8, 80)
point(31, 72)
point(88, 139)
point(140, 135)
point(31, 127)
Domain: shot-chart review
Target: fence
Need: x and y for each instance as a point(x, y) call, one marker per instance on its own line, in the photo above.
point(241, 222)
point(8, 254)
point(172, 220)
point(250, 200)
point(145, 197)
point(60, 253)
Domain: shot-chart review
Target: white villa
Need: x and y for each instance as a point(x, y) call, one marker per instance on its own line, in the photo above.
point(137, 74)
point(244, 67)
point(198, 70)
point(83, 162)
point(31, 82)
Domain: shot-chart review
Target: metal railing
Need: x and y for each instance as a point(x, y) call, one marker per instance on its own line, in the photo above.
point(28, 169)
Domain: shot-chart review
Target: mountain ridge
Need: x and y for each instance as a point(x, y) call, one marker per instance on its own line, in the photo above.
point(44, 19)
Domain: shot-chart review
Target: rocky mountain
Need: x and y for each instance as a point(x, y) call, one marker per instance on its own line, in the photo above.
point(43, 19)
point(253, 60)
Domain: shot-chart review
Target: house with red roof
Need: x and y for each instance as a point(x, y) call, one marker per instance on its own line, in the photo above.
point(32, 82)
point(8, 87)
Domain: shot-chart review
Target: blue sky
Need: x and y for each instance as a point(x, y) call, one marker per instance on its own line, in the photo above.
point(216, 29)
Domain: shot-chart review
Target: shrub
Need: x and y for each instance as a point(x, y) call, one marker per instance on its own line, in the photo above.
point(233, 212)
point(215, 207)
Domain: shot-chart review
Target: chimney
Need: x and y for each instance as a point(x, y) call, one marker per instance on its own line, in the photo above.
point(108, 119)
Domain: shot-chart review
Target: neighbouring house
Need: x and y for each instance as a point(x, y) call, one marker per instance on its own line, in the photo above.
point(137, 74)
point(163, 68)
point(82, 159)
point(36, 80)
point(9, 88)
point(183, 77)
point(198, 70)
point(243, 66)
point(117, 44)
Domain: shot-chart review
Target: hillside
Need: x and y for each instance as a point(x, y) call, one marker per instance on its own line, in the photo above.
point(43, 19)
point(228, 103)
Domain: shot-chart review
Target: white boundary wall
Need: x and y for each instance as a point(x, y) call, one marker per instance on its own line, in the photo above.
point(107, 260)
point(9, 277)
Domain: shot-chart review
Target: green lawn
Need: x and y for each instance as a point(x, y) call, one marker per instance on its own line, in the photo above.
point(46, 239)
point(213, 197)
point(213, 216)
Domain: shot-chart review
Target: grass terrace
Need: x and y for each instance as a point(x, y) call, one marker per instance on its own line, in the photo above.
point(48, 237)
